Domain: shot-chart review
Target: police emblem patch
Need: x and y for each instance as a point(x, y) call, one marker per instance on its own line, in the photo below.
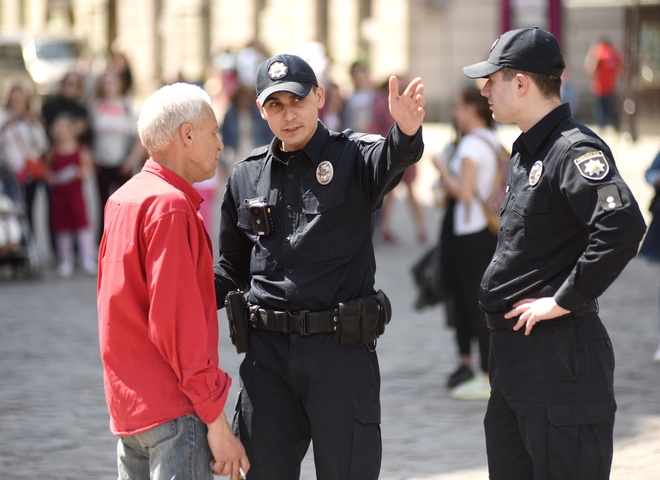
point(324, 172)
point(535, 173)
point(593, 166)
point(277, 70)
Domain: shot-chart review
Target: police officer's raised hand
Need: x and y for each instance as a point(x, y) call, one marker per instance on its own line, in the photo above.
point(533, 310)
point(407, 110)
point(228, 452)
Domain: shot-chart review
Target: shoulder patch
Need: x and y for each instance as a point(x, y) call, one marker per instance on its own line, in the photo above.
point(593, 165)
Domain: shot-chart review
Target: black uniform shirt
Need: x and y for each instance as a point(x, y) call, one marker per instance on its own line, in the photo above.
point(320, 251)
point(569, 223)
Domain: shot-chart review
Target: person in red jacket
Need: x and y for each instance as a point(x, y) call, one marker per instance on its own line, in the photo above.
point(158, 324)
point(603, 62)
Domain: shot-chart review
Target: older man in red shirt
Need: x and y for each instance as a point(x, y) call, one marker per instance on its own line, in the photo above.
point(156, 303)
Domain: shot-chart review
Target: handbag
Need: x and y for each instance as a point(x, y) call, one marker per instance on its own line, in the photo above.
point(427, 275)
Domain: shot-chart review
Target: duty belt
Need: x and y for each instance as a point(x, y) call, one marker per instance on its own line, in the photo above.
point(497, 320)
point(302, 323)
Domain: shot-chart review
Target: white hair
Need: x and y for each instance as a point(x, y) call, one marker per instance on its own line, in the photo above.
point(166, 110)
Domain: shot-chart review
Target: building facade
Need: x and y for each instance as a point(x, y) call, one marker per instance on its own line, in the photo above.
point(169, 39)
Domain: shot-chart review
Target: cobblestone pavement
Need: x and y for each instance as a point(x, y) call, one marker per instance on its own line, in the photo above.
point(54, 421)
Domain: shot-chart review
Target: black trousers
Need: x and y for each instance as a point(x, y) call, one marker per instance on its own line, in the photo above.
point(296, 389)
point(551, 411)
point(108, 180)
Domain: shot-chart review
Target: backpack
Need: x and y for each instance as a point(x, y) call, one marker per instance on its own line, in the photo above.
point(493, 203)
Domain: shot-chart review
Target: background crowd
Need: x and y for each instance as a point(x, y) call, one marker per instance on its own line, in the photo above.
point(100, 110)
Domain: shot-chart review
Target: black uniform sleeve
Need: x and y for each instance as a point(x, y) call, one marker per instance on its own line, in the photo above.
point(232, 271)
point(387, 160)
point(605, 206)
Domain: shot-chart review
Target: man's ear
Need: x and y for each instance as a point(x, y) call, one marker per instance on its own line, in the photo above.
point(320, 96)
point(261, 110)
point(522, 84)
point(186, 133)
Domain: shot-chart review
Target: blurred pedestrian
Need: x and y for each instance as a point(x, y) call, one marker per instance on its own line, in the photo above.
point(68, 100)
point(569, 225)
point(650, 249)
point(243, 129)
point(69, 163)
point(603, 63)
point(116, 148)
point(158, 323)
point(359, 106)
point(467, 244)
point(381, 123)
point(23, 144)
point(296, 235)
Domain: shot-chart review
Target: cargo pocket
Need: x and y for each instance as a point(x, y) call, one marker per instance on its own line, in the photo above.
point(580, 439)
point(367, 446)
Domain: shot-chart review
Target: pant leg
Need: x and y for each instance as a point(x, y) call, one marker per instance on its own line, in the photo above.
point(269, 419)
point(177, 449)
point(340, 390)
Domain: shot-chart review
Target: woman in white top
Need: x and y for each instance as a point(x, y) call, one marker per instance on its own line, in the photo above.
point(467, 245)
point(23, 143)
point(116, 148)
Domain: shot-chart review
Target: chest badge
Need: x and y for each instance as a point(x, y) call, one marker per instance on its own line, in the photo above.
point(324, 172)
point(535, 173)
point(593, 166)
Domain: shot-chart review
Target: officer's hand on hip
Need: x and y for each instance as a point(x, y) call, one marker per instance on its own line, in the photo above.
point(408, 109)
point(533, 310)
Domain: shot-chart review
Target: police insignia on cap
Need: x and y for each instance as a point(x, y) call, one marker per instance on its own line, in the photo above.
point(277, 70)
point(324, 172)
point(535, 173)
point(593, 166)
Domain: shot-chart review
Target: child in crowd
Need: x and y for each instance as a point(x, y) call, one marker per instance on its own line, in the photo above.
point(69, 162)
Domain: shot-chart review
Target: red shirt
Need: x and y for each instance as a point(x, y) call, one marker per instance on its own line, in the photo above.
point(158, 323)
point(608, 64)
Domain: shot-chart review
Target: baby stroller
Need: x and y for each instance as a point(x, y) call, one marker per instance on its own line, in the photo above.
point(17, 244)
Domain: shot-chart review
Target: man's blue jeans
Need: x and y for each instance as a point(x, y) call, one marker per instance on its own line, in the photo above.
point(177, 449)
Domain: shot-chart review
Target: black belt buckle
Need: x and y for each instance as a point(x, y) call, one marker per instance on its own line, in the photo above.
point(296, 322)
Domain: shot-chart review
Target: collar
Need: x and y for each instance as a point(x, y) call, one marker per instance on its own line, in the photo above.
point(314, 148)
point(531, 140)
point(175, 180)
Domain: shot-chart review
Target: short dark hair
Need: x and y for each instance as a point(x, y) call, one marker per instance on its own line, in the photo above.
point(549, 86)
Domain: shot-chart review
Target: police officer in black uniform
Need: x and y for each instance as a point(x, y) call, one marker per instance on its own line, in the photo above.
point(569, 225)
point(296, 235)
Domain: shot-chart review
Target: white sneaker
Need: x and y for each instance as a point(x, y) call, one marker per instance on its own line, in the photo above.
point(65, 270)
point(656, 355)
point(477, 387)
point(90, 268)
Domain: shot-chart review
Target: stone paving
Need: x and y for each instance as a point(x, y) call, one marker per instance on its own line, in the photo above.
point(54, 421)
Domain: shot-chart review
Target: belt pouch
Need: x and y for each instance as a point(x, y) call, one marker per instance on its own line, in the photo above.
point(385, 311)
point(370, 319)
point(235, 304)
point(348, 332)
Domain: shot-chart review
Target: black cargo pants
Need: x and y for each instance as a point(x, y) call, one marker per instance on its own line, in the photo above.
point(551, 411)
point(296, 389)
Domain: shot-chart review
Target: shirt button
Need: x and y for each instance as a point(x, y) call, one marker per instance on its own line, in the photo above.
point(290, 271)
point(291, 175)
point(289, 207)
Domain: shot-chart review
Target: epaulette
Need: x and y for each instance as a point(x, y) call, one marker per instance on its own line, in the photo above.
point(257, 152)
point(362, 137)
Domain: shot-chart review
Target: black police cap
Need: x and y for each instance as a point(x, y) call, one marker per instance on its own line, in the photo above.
point(527, 49)
point(284, 73)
